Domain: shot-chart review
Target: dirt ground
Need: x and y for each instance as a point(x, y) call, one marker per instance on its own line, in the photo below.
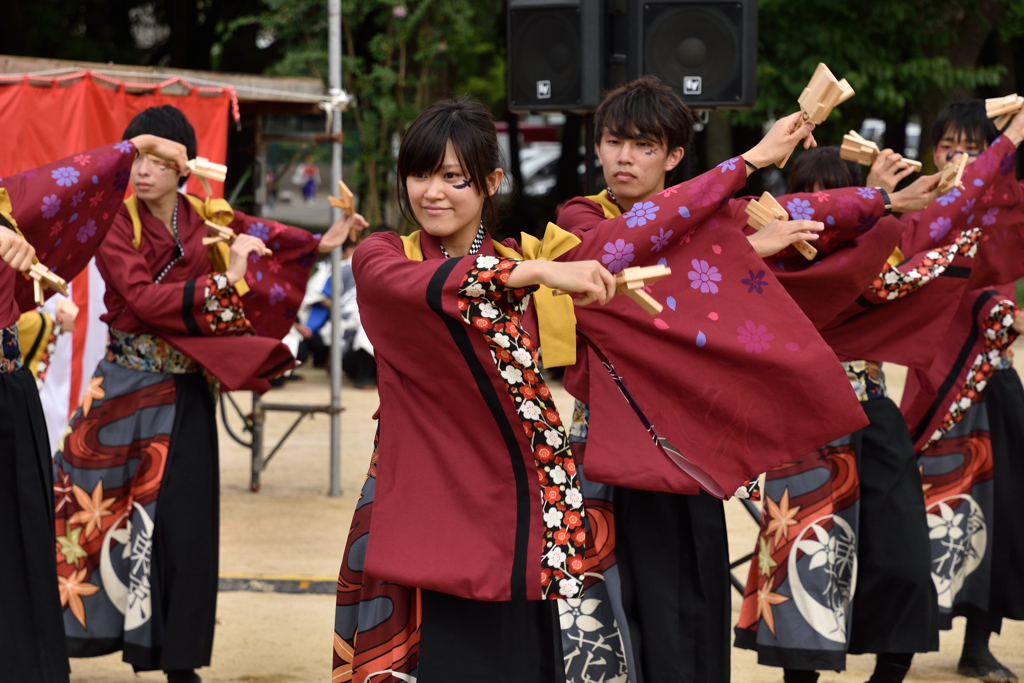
point(293, 529)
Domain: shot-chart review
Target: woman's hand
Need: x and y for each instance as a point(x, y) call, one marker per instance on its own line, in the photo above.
point(888, 170)
point(15, 251)
point(168, 150)
point(782, 139)
point(588, 279)
point(777, 235)
point(67, 312)
point(1018, 323)
point(238, 259)
point(917, 194)
point(340, 230)
point(1015, 131)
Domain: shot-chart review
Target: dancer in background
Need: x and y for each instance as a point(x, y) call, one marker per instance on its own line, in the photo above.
point(967, 410)
point(137, 482)
point(674, 613)
point(45, 214)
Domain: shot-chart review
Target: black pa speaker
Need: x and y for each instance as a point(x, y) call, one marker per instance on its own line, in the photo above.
point(707, 50)
point(555, 54)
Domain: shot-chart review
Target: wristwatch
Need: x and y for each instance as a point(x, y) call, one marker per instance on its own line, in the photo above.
point(886, 201)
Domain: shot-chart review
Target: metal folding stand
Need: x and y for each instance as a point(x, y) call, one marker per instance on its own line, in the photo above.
point(255, 422)
point(756, 514)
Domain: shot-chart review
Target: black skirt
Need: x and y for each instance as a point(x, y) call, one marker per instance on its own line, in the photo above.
point(186, 535)
point(895, 607)
point(673, 556)
point(1004, 398)
point(32, 646)
point(468, 641)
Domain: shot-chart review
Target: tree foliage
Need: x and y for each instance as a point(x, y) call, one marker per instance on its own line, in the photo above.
point(398, 58)
point(894, 53)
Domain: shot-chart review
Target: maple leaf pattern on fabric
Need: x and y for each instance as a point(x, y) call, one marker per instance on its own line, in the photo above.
point(93, 391)
point(782, 517)
point(94, 509)
point(72, 588)
point(70, 547)
point(765, 600)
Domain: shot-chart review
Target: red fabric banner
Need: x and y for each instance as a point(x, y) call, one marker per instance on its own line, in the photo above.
point(45, 123)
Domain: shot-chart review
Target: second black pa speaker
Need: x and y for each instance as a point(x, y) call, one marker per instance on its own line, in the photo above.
point(556, 55)
point(707, 50)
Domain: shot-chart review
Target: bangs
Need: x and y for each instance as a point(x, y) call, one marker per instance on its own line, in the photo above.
point(424, 147)
point(632, 118)
point(645, 109)
point(955, 130)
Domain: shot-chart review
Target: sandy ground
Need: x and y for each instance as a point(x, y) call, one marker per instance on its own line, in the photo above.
point(292, 528)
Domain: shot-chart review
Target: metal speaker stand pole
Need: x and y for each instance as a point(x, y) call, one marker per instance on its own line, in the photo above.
point(334, 64)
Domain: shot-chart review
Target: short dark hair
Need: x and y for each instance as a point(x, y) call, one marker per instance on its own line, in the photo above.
point(966, 118)
point(166, 122)
point(469, 126)
point(645, 109)
point(822, 165)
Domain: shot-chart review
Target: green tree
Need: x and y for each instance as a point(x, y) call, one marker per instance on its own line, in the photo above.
point(902, 57)
point(399, 56)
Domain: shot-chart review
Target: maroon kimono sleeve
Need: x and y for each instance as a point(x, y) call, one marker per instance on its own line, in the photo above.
point(852, 248)
point(9, 310)
point(906, 307)
point(986, 193)
point(65, 208)
point(731, 372)
point(165, 307)
point(277, 282)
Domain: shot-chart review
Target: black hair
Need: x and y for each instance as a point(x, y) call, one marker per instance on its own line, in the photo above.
point(966, 118)
point(822, 165)
point(469, 126)
point(645, 109)
point(166, 122)
point(5, 223)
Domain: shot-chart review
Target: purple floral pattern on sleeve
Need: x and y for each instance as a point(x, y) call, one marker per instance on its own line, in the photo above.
point(496, 311)
point(619, 256)
point(640, 214)
point(754, 337)
point(704, 276)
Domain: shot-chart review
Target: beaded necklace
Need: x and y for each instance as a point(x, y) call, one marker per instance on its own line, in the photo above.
point(478, 242)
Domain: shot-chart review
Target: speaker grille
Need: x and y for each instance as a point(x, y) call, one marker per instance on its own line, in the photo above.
point(683, 43)
point(545, 47)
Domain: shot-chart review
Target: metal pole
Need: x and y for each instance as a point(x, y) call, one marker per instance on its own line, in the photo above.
point(259, 419)
point(334, 64)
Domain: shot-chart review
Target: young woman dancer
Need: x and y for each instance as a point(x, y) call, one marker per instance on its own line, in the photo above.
point(455, 545)
point(62, 228)
point(136, 484)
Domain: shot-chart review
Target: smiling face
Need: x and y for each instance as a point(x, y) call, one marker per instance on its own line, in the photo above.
point(446, 203)
point(954, 142)
point(152, 180)
point(635, 168)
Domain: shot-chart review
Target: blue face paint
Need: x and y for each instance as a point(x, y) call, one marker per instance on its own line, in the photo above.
point(463, 185)
point(653, 151)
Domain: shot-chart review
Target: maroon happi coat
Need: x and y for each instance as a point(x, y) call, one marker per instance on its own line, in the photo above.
point(64, 210)
point(449, 513)
point(174, 308)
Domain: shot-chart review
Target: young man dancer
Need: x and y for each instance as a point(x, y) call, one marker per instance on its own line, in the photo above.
point(673, 615)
